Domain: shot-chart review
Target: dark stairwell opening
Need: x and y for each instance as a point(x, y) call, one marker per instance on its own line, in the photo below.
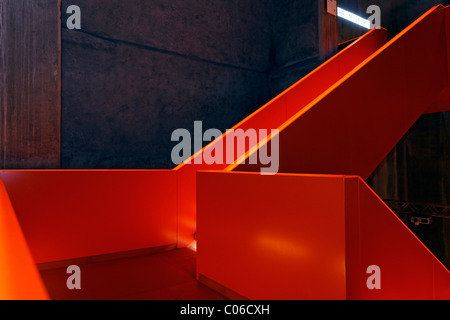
point(414, 181)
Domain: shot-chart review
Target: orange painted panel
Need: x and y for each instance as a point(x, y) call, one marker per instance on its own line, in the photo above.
point(19, 277)
point(272, 237)
point(72, 214)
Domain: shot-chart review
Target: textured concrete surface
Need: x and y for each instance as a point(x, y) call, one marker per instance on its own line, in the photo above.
point(29, 84)
point(138, 71)
point(304, 36)
point(121, 103)
point(292, 20)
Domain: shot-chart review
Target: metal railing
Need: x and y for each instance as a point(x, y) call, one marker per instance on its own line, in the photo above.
point(419, 208)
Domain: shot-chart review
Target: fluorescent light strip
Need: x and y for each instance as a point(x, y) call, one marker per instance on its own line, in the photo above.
point(344, 14)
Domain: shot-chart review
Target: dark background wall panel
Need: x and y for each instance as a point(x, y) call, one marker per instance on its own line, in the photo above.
point(233, 32)
point(121, 103)
point(136, 72)
point(30, 95)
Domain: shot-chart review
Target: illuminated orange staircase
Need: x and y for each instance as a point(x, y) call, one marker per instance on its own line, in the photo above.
point(309, 232)
point(322, 233)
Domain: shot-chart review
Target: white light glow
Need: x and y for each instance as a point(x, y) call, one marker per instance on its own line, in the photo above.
point(344, 14)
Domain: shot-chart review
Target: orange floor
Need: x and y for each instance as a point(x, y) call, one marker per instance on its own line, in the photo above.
point(163, 276)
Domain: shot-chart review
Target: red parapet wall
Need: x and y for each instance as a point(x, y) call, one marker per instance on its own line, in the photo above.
point(308, 237)
point(19, 277)
point(272, 237)
point(74, 214)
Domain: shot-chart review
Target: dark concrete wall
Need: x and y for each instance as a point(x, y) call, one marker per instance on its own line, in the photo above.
point(304, 36)
point(30, 103)
point(139, 70)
